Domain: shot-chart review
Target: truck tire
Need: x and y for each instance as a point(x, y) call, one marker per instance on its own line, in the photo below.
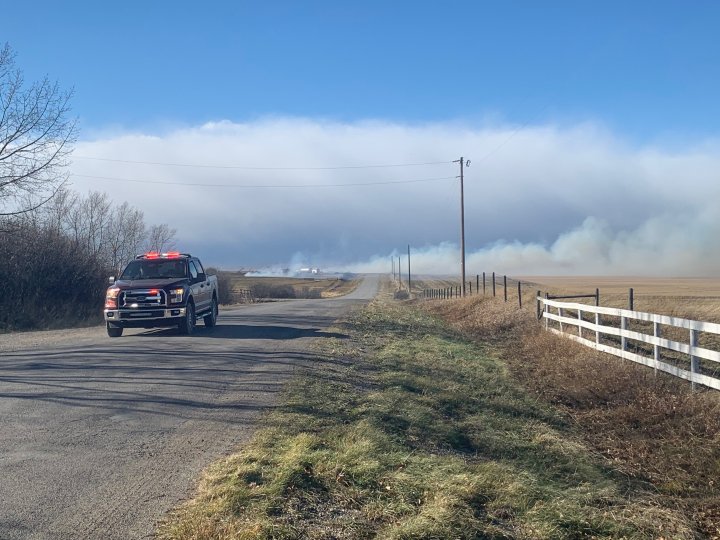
point(114, 331)
point(211, 319)
point(187, 325)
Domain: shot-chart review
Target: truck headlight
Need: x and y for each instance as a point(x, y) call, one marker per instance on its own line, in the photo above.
point(176, 295)
point(111, 297)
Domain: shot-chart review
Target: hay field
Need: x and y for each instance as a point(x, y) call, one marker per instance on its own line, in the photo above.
point(690, 298)
point(327, 287)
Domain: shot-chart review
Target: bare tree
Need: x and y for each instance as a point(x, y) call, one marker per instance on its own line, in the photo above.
point(96, 211)
point(126, 234)
point(161, 238)
point(35, 138)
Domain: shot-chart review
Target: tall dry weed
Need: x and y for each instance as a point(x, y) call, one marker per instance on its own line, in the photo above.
point(651, 427)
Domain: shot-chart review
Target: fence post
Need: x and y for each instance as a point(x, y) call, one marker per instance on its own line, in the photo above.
point(597, 317)
point(694, 360)
point(546, 310)
point(505, 287)
point(597, 329)
point(519, 295)
point(579, 321)
point(493, 284)
point(539, 303)
point(477, 283)
point(470, 283)
point(560, 312)
point(656, 348)
point(623, 320)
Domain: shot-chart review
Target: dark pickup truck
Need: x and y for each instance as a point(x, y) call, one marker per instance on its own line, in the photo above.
point(159, 290)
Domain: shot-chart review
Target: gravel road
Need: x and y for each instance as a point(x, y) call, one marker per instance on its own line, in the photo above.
point(100, 436)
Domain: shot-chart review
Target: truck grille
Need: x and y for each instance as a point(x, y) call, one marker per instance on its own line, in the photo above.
point(142, 298)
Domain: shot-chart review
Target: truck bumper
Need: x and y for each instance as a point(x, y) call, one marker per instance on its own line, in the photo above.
point(144, 318)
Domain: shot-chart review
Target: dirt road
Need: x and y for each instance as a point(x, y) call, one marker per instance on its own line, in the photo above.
point(100, 437)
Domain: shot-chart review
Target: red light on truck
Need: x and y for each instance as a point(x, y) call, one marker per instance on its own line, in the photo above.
point(152, 255)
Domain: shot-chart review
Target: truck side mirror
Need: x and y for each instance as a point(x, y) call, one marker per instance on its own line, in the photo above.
point(111, 280)
point(201, 277)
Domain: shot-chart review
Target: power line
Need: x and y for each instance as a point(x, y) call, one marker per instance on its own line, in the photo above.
point(243, 167)
point(514, 132)
point(256, 186)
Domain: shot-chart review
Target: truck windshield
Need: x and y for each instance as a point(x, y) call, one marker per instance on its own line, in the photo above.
point(158, 269)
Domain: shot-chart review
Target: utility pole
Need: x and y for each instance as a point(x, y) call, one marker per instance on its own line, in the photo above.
point(392, 262)
point(462, 220)
point(409, 282)
point(399, 273)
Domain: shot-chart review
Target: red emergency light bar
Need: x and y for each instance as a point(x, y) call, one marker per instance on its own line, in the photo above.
point(168, 255)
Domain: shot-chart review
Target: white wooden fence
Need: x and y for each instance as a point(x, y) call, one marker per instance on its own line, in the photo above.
point(595, 330)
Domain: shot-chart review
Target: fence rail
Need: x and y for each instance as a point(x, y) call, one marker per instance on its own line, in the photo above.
point(691, 348)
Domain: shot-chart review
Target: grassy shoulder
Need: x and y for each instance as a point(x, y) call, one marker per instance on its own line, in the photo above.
point(406, 430)
point(652, 427)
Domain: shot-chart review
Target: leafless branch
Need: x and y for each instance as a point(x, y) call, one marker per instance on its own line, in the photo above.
point(36, 137)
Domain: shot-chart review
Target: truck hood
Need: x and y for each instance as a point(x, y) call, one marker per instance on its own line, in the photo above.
point(165, 283)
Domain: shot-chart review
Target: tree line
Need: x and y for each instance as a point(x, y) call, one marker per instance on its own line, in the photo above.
point(55, 260)
point(57, 247)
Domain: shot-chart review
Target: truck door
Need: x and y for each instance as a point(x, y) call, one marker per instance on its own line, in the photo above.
point(200, 290)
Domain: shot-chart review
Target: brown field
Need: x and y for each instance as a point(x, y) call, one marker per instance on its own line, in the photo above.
point(650, 286)
point(303, 287)
point(690, 298)
point(650, 427)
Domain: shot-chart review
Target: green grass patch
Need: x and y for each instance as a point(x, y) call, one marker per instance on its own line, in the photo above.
point(406, 431)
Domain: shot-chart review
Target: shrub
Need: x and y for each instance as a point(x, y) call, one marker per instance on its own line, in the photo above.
point(48, 280)
point(264, 290)
point(224, 286)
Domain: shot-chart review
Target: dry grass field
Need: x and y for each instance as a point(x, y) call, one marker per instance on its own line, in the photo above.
point(690, 298)
point(650, 428)
point(301, 287)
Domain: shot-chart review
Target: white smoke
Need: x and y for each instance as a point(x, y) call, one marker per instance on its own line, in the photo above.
point(539, 200)
point(671, 245)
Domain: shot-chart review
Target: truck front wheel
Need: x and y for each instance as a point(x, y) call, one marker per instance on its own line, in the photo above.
point(114, 331)
point(187, 325)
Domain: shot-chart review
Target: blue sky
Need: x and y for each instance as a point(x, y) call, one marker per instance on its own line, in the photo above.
point(646, 69)
point(592, 126)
